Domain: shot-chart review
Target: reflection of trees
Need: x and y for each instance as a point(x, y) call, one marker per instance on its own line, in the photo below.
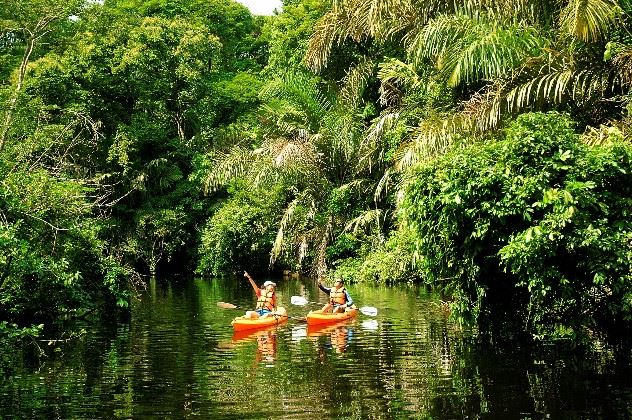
point(176, 356)
point(415, 363)
point(171, 349)
point(407, 366)
point(73, 379)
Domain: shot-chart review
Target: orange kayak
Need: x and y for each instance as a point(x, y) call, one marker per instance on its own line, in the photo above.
point(242, 323)
point(318, 317)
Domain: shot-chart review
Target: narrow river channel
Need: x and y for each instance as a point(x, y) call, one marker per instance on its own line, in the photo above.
point(177, 357)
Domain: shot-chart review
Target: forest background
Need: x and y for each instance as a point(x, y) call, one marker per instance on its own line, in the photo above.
point(480, 148)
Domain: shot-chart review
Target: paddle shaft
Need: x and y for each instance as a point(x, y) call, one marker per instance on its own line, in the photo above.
point(301, 301)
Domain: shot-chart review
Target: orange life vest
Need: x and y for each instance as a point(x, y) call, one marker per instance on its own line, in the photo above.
point(266, 300)
point(337, 296)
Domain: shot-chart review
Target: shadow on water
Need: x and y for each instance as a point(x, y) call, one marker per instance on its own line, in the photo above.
point(177, 356)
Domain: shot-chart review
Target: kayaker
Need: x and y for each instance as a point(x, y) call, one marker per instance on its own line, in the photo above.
point(339, 299)
point(266, 299)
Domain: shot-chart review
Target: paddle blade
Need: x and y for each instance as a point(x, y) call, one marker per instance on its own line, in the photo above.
point(225, 305)
point(298, 300)
point(369, 310)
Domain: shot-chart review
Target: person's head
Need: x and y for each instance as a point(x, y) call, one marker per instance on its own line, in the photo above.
point(268, 285)
point(338, 282)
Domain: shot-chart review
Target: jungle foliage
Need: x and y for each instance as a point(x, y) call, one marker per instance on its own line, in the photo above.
point(480, 148)
point(105, 108)
point(532, 228)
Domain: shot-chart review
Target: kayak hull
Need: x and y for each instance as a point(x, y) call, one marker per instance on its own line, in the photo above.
point(242, 323)
point(320, 318)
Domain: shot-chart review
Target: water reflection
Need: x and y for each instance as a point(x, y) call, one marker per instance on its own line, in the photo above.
point(370, 324)
point(339, 335)
point(177, 357)
point(299, 333)
point(266, 339)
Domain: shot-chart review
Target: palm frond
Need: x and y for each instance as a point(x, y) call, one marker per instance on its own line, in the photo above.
point(556, 86)
point(322, 236)
point(362, 19)
point(381, 188)
point(467, 49)
point(604, 134)
point(622, 64)
point(286, 221)
point(282, 119)
point(491, 54)
point(329, 31)
point(341, 133)
point(382, 124)
point(402, 20)
point(368, 220)
point(359, 186)
point(295, 97)
point(355, 82)
point(589, 20)
point(227, 167)
point(434, 137)
point(286, 153)
point(435, 37)
point(484, 111)
point(396, 77)
point(283, 158)
point(371, 148)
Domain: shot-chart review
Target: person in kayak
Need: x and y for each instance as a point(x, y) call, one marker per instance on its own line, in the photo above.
point(266, 299)
point(339, 299)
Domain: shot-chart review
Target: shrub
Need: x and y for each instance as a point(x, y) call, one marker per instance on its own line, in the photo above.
point(52, 262)
point(532, 230)
point(386, 263)
point(241, 233)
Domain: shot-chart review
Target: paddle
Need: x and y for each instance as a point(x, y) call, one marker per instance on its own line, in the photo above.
point(301, 301)
point(226, 305)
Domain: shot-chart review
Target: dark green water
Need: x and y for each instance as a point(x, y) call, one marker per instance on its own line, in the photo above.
point(177, 358)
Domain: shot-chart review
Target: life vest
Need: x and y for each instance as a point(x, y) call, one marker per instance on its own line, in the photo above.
point(266, 300)
point(337, 296)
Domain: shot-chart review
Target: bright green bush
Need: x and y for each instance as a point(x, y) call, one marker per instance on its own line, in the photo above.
point(240, 234)
point(532, 231)
point(386, 263)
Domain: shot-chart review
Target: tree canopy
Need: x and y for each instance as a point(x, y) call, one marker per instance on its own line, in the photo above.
point(480, 148)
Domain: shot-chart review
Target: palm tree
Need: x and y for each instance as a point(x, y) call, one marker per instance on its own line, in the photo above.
point(503, 56)
point(310, 145)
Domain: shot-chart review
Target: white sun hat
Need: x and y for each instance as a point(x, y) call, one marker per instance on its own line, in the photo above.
point(269, 283)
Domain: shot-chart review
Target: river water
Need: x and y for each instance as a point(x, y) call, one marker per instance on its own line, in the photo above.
point(177, 357)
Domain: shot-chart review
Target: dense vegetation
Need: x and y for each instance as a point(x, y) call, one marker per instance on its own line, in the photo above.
point(481, 148)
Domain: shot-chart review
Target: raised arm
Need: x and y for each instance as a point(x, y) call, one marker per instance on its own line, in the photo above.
point(252, 282)
point(323, 288)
